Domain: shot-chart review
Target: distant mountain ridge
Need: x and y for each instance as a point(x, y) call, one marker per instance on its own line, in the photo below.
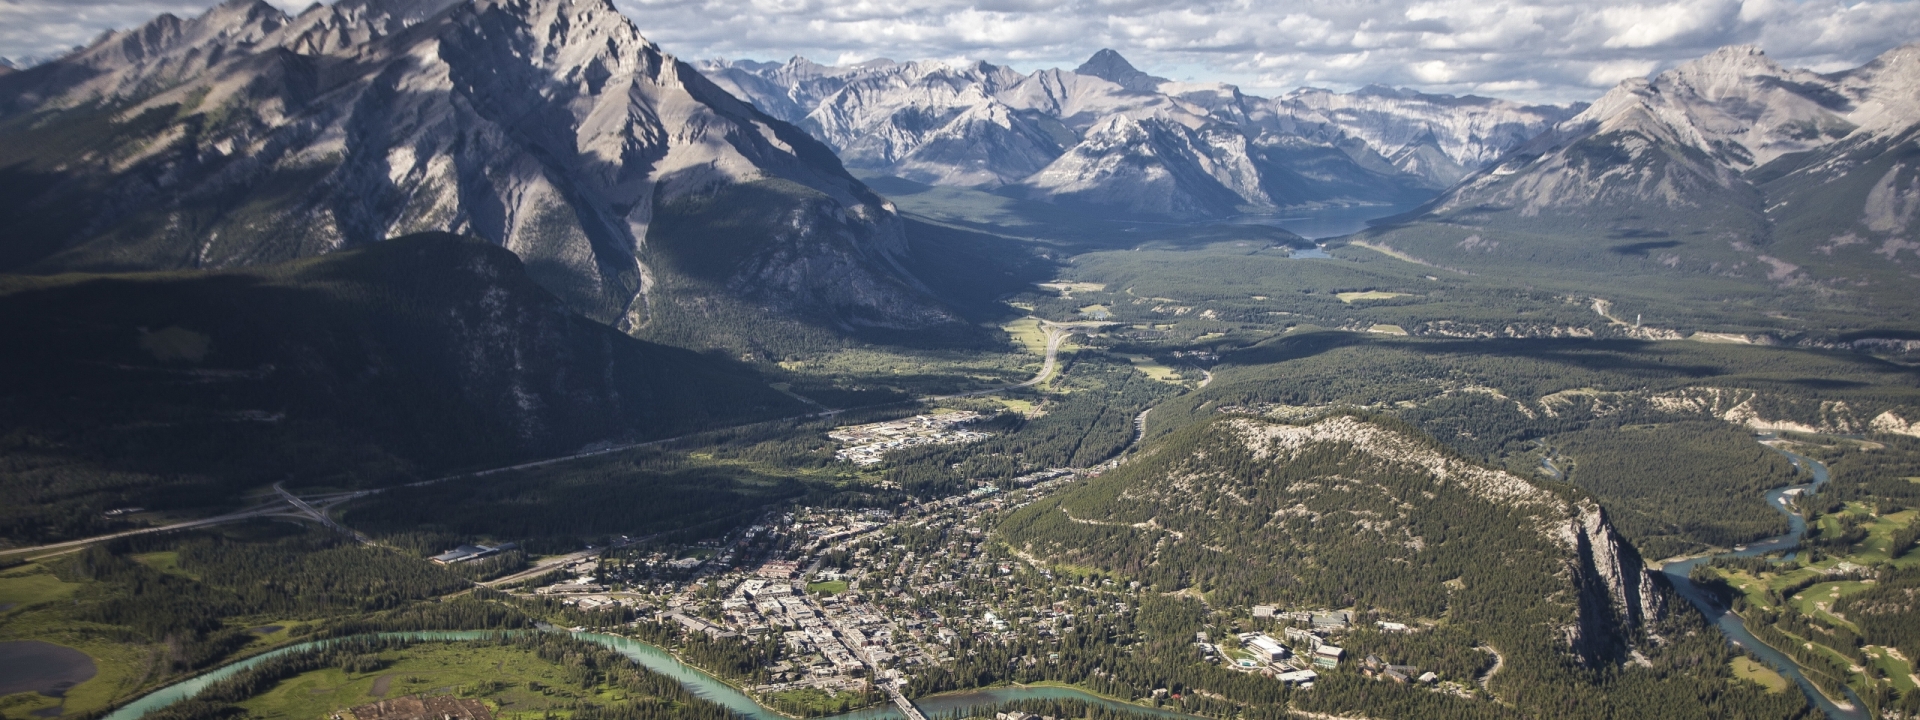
point(1109, 135)
point(551, 127)
point(1730, 165)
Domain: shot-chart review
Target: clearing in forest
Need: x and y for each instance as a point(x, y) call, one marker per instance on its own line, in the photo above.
point(1350, 297)
point(1746, 668)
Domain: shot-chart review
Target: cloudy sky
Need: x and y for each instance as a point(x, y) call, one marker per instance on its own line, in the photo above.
point(1549, 50)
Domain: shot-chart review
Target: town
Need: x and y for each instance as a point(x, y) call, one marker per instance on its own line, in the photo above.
point(863, 600)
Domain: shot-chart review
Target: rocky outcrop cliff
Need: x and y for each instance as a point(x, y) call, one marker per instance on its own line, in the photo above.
point(1618, 595)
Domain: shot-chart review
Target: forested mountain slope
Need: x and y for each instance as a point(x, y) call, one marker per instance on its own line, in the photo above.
point(551, 127)
point(396, 361)
point(1352, 511)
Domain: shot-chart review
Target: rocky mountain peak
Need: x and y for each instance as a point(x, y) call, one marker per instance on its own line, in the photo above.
point(229, 24)
point(982, 125)
point(1110, 66)
point(1729, 72)
point(551, 127)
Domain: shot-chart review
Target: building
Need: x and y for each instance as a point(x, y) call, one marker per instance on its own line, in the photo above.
point(1267, 649)
point(418, 707)
point(1301, 636)
point(1297, 677)
point(1338, 619)
point(1263, 611)
point(1327, 656)
point(777, 570)
point(571, 588)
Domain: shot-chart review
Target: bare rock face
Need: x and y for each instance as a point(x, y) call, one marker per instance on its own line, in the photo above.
point(1440, 139)
point(1617, 593)
point(1110, 135)
point(550, 127)
point(1108, 65)
point(1731, 143)
point(1154, 166)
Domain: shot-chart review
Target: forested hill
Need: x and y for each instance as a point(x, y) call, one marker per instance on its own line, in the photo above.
point(404, 359)
point(1367, 513)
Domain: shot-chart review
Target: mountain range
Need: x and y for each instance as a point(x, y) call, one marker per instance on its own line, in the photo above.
point(1111, 136)
point(1728, 166)
point(552, 128)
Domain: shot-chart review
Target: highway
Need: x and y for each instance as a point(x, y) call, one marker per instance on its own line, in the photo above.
point(300, 508)
point(321, 517)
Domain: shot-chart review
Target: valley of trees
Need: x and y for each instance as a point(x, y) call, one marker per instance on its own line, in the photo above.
point(1677, 488)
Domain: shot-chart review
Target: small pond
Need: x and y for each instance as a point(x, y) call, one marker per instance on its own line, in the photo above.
point(42, 667)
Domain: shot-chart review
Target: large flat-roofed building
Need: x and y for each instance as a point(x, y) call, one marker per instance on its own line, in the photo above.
point(1296, 677)
point(777, 569)
point(1267, 648)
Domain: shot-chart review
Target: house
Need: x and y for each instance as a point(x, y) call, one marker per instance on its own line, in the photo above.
point(1263, 611)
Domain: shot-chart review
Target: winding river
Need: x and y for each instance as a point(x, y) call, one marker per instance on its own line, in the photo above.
point(1732, 626)
point(701, 684)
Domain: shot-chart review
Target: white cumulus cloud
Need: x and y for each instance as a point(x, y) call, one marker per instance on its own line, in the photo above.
point(1551, 50)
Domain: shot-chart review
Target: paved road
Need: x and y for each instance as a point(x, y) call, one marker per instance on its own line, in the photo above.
point(1057, 334)
point(544, 566)
point(321, 517)
point(252, 512)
